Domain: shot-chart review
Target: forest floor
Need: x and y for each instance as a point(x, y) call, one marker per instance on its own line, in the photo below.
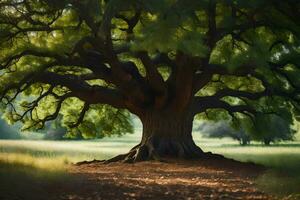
point(207, 179)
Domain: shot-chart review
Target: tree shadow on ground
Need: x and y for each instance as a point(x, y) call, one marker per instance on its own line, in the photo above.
point(208, 179)
point(25, 182)
point(179, 180)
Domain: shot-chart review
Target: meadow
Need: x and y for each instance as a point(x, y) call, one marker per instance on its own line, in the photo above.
point(36, 165)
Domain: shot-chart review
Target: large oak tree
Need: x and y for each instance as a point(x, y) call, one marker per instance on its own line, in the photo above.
point(166, 61)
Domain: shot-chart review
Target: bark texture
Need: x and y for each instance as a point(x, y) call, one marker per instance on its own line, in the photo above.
point(165, 135)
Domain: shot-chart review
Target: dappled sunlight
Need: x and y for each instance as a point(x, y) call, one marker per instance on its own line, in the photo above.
point(195, 180)
point(56, 156)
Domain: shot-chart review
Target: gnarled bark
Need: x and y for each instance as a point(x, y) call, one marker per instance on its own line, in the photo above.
point(165, 135)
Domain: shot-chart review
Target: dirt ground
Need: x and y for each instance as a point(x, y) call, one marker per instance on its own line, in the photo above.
point(209, 179)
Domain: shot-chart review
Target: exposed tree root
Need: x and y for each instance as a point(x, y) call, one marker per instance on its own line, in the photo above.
point(141, 153)
point(89, 162)
point(161, 151)
point(169, 151)
point(153, 150)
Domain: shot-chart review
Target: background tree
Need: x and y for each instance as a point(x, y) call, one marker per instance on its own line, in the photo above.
point(278, 129)
point(94, 61)
point(222, 129)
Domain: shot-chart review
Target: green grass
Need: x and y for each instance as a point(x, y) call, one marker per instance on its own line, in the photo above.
point(283, 159)
point(55, 154)
point(46, 161)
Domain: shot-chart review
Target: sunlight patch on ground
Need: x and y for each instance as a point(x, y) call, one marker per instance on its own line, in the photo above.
point(46, 163)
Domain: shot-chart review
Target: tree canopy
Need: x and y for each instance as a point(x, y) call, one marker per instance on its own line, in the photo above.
point(96, 61)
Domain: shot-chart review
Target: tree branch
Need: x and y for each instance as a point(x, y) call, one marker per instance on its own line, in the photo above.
point(201, 104)
point(85, 108)
point(82, 90)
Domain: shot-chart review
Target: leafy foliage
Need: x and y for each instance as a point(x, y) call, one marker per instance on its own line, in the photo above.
point(264, 128)
point(95, 61)
point(221, 129)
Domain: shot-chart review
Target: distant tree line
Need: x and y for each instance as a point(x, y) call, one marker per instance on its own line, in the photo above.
point(52, 131)
point(266, 129)
point(221, 130)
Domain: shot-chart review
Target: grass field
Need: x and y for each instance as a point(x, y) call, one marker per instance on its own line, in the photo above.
point(45, 162)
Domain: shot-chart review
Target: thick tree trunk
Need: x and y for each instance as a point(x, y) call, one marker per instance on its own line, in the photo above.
point(165, 135)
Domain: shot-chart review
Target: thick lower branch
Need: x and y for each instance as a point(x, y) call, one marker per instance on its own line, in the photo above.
point(82, 90)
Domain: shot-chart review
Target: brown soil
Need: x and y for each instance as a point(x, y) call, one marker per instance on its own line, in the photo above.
point(207, 179)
